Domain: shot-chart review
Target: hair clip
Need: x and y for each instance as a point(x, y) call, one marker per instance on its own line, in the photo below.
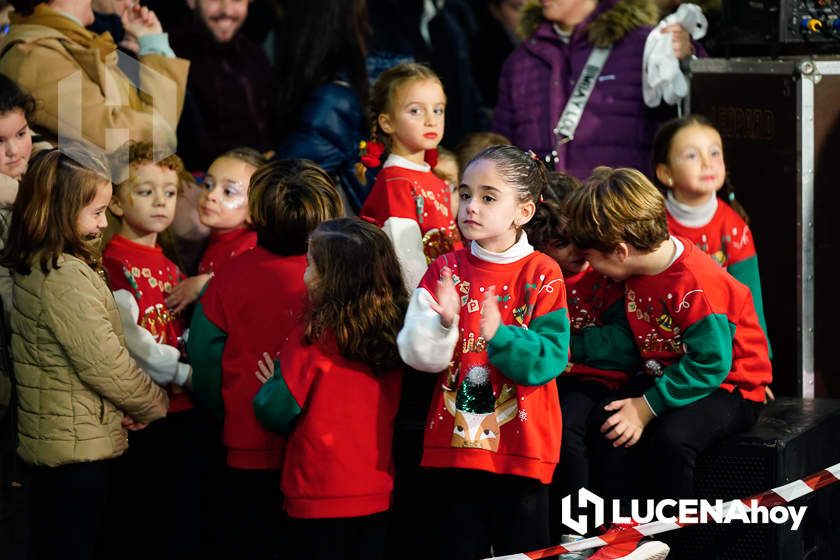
point(542, 199)
point(532, 155)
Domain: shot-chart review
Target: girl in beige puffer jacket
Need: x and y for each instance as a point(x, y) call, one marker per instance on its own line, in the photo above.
point(78, 388)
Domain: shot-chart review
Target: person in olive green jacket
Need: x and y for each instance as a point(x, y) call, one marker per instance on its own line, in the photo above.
point(82, 92)
point(78, 389)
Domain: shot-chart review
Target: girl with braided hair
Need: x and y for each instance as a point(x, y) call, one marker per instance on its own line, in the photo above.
point(408, 200)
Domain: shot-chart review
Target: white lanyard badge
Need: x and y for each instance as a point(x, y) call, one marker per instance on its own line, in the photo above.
point(570, 119)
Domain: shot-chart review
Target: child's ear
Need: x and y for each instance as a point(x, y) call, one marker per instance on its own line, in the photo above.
point(384, 121)
point(622, 251)
point(525, 212)
point(115, 206)
point(663, 173)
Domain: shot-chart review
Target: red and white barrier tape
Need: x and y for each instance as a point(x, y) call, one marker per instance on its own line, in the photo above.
point(774, 497)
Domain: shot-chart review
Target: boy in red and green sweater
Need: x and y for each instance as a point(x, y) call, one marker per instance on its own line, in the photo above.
point(704, 353)
point(248, 308)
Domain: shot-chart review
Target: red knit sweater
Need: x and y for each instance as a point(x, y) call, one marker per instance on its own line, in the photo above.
point(247, 309)
point(149, 276)
point(495, 409)
point(338, 457)
point(417, 195)
point(590, 295)
point(726, 238)
point(225, 246)
point(700, 324)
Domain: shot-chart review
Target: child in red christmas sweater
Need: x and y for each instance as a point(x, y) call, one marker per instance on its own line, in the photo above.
point(249, 309)
point(335, 389)
point(408, 200)
point(223, 207)
point(705, 355)
point(492, 321)
point(603, 352)
point(701, 205)
point(141, 277)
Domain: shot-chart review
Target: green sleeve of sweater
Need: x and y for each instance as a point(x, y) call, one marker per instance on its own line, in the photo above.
point(746, 272)
point(610, 346)
point(274, 405)
point(532, 356)
point(205, 347)
point(702, 368)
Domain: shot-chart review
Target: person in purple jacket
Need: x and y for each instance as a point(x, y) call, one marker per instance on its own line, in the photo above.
point(615, 128)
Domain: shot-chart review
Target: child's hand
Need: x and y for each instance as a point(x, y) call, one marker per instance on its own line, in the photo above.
point(130, 423)
point(625, 427)
point(186, 292)
point(140, 21)
point(768, 394)
point(265, 368)
point(448, 303)
point(491, 317)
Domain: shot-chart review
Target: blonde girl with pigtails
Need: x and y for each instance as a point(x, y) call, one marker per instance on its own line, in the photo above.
point(408, 201)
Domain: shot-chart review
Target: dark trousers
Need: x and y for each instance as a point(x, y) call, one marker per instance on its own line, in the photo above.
point(578, 400)
point(340, 538)
point(68, 509)
point(661, 464)
point(158, 499)
point(254, 526)
point(411, 498)
point(481, 512)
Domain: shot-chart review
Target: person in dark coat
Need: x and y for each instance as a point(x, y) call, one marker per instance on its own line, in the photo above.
point(494, 40)
point(323, 89)
point(229, 87)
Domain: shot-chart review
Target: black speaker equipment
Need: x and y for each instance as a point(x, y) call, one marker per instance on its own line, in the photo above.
point(793, 438)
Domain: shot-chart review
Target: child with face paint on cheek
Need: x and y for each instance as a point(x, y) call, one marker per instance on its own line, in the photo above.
point(223, 207)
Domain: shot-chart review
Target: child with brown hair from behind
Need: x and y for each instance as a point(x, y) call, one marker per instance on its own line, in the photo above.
point(335, 388)
point(250, 308)
point(79, 390)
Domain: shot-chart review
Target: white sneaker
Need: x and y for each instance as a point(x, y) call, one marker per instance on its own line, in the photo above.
point(582, 555)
